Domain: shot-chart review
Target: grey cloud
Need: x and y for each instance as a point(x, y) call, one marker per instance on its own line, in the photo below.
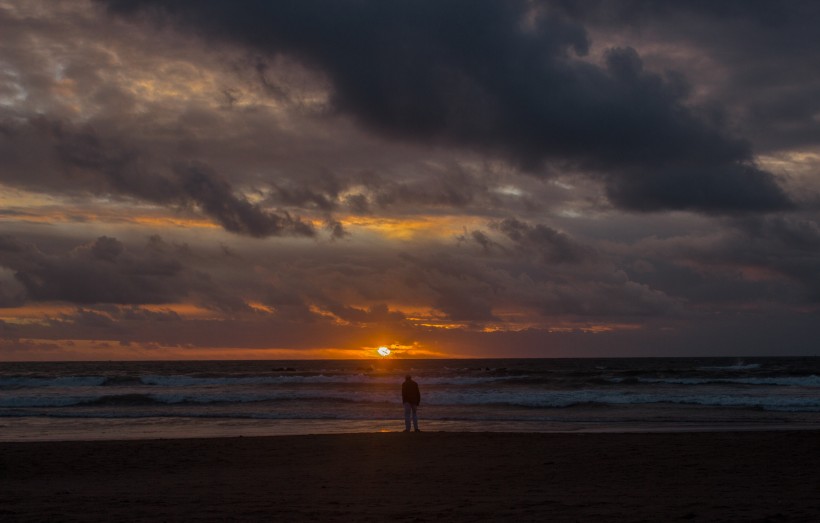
point(216, 198)
point(289, 305)
point(320, 191)
point(536, 267)
point(336, 228)
point(612, 297)
point(452, 188)
point(472, 291)
point(715, 187)
point(461, 289)
point(96, 164)
point(550, 245)
point(10, 297)
point(16, 345)
point(767, 49)
point(789, 246)
point(446, 186)
point(476, 74)
point(136, 313)
point(768, 263)
point(105, 271)
point(90, 319)
point(482, 239)
point(101, 271)
point(379, 313)
point(357, 203)
point(462, 304)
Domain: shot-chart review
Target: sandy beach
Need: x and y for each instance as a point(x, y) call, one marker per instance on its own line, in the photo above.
point(749, 476)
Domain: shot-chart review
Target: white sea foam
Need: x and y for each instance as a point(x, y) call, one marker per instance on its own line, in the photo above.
point(475, 397)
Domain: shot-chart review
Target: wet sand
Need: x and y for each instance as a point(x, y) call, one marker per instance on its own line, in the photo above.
point(743, 476)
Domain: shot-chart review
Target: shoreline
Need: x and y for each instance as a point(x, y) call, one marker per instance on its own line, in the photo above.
point(45, 429)
point(442, 476)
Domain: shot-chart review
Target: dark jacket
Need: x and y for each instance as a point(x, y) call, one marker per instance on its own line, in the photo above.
point(410, 392)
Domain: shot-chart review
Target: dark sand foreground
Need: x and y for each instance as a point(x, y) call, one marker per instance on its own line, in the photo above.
point(763, 476)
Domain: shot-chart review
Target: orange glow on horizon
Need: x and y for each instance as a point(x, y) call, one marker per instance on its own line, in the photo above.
point(113, 350)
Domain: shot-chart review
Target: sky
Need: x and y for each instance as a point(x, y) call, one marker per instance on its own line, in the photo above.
point(308, 179)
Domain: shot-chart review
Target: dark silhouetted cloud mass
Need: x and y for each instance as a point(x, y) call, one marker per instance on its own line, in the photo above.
point(507, 77)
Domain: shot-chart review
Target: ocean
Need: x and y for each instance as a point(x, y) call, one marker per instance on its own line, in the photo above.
point(127, 400)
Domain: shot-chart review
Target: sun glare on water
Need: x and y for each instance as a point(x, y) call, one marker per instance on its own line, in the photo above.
point(383, 351)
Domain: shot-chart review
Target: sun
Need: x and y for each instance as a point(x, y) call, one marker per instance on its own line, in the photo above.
point(383, 351)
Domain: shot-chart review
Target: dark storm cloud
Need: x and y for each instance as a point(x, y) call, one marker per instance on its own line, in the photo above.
point(610, 295)
point(482, 239)
point(448, 186)
point(527, 266)
point(375, 314)
point(320, 191)
point(105, 271)
point(537, 267)
point(92, 163)
point(215, 197)
point(789, 246)
point(766, 264)
point(769, 50)
point(461, 288)
point(549, 245)
point(11, 297)
point(97, 164)
point(101, 271)
point(289, 305)
point(502, 77)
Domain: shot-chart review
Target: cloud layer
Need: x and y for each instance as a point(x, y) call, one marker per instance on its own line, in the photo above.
point(503, 77)
point(316, 179)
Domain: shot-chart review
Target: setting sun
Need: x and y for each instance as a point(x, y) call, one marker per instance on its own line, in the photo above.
point(383, 351)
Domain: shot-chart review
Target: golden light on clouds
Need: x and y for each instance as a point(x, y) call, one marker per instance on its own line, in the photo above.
point(171, 221)
point(409, 228)
point(31, 207)
point(184, 310)
point(34, 313)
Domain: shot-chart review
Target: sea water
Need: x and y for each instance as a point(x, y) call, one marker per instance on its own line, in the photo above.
point(116, 400)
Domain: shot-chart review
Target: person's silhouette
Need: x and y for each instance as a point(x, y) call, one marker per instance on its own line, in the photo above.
point(410, 397)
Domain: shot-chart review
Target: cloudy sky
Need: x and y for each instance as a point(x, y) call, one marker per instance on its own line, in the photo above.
point(465, 178)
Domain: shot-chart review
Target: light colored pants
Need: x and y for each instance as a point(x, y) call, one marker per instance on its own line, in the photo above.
point(410, 409)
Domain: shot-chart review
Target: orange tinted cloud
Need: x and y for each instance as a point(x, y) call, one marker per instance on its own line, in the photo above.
point(34, 313)
point(427, 227)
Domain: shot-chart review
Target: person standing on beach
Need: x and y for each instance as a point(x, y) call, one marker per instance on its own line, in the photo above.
point(410, 397)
